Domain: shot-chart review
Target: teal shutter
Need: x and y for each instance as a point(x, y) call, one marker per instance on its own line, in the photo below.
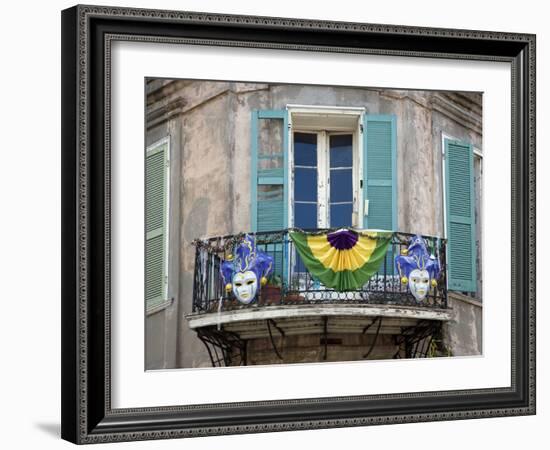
point(156, 203)
point(460, 216)
point(379, 175)
point(269, 180)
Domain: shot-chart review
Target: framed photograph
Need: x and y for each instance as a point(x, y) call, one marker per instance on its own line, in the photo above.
point(280, 224)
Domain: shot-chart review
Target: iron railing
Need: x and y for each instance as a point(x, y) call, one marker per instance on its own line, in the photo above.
point(292, 284)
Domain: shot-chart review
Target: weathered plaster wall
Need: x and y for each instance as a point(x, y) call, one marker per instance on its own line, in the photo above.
point(162, 327)
point(311, 348)
point(209, 125)
point(463, 334)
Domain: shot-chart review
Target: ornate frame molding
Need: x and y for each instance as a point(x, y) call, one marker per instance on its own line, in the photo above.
point(88, 31)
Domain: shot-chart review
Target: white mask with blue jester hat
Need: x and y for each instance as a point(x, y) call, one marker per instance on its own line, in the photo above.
point(246, 270)
point(245, 286)
point(418, 268)
point(419, 283)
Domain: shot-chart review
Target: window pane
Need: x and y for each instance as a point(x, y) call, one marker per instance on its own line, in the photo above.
point(305, 215)
point(305, 185)
point(305, 149)
point(340, 215)
point(341, 186)
point(341, 153)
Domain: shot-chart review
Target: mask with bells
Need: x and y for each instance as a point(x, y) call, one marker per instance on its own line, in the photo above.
point(417, 268)
point(245, 270)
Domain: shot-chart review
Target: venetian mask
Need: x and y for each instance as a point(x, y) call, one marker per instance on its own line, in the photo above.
point(244, 270)
point(245, 285)
point(418, 268)
point(419, 283)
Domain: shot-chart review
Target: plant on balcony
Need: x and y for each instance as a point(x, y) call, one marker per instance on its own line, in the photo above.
point(272, 291)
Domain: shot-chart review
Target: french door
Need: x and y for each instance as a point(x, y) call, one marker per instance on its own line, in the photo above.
point(324, 180)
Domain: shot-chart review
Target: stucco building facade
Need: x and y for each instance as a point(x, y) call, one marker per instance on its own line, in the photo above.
point(218, 138)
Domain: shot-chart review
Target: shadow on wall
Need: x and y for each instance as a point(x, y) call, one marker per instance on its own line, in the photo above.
point(196, 221)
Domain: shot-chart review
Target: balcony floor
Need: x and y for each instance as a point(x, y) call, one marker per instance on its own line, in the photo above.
point(249, 322)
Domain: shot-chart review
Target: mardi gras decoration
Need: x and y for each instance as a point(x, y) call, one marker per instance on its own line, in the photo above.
point(418, 268)
point(245, 269)
point(343, 260)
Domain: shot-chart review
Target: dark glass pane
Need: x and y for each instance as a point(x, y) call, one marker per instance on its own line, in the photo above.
point(305, 149)
point(299, 265)
point(305, 185)
point(341, 186)
point(341, 153)
point(340, 215)
point(305, 215)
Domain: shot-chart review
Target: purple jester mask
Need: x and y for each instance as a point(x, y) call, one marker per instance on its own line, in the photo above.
point(245, 270)
point(418, 268)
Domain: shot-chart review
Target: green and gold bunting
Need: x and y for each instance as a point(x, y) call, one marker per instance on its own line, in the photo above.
point(345, 259)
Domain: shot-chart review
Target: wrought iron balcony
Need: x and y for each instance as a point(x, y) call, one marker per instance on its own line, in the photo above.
point(292, 284)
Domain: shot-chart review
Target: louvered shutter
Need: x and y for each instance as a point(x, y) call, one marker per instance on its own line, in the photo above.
point(379, 175)
point(269, 178)
point(460, 216)
point(156, 202)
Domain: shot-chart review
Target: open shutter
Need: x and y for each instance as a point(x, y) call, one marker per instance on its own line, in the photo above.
point(269, 176)
point(379, 175)
point(460, 216)
point(156, 206)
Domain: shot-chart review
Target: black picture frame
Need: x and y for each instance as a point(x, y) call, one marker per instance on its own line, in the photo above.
point(87, 33)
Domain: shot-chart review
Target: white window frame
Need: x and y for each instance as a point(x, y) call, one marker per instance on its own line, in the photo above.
point(322, 116)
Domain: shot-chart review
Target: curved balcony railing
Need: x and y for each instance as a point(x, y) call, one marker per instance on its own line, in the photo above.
point(292, 284)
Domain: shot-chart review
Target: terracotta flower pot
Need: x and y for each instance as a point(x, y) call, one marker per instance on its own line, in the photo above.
point(270, 295)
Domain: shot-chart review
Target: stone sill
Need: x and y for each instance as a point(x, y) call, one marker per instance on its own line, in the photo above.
point(199, 320)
